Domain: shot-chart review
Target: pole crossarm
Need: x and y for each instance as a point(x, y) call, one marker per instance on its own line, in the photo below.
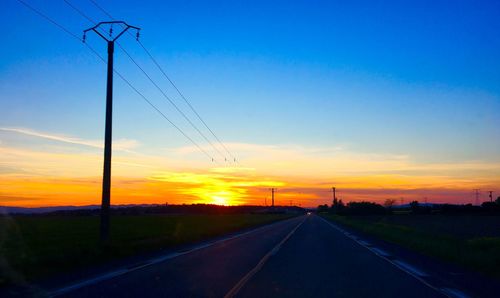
point(124, 27)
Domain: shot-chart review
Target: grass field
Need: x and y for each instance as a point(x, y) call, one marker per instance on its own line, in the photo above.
point(39, 246)
point(470, 241)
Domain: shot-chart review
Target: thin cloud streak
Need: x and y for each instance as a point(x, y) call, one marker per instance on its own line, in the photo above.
point(123, 144)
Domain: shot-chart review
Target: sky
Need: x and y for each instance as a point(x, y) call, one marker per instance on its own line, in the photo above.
point(383, 100)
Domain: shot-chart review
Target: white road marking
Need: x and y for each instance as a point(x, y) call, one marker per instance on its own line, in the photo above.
point(378, 251)
point(261, 263)
point(454, 293)
point(416, 276)
point(115, 273)
point(411, 268)
point(364, 243)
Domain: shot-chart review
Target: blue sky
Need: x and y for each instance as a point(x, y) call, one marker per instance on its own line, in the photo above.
point(274, 72)
point(412, 78)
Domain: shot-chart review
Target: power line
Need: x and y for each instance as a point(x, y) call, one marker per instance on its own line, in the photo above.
point(173, 84)
point(187, 102)
point(153, 82)
point(170, 100)
point(79, 11)
point(47, 18)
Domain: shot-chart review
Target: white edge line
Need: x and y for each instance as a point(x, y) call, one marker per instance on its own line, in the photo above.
point(154, 261)
point(398, 266)
point(411, 268)
point(234, 290)
point(381, 252)
point(454, 293)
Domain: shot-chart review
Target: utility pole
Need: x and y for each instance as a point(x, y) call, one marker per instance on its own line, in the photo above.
point(491, 196)
point(106, 177)
point(333, 193)
point(476, 192)
point(272, 196)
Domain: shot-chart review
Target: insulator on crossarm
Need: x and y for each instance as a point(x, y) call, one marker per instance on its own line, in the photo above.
point(137, 35)
point(111, 30)
point(84, 37)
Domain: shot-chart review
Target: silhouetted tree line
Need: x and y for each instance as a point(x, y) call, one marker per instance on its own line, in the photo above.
point(178, 209)
point(353, 208)
point(370, 208)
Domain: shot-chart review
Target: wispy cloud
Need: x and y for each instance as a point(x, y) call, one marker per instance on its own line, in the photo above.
point(123, 144)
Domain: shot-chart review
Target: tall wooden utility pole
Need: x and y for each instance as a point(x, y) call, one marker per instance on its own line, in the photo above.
point(106, 177)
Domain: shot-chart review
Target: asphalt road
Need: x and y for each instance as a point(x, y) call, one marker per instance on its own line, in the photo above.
point(301, 257)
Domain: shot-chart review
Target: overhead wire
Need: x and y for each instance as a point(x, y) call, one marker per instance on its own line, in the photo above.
point(79, 11)
point(174, 85)
point(47, 18)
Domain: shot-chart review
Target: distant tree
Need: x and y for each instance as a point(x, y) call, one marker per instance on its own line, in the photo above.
point(415, 207)
point(389, 203)
point(498, 200)
point(322, 208)
point(337, 206)
point(364, 208)
point(340, 206)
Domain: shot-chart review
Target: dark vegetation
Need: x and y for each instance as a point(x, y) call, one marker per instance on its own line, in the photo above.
point(150, 209)
point(414, 207)
point(466, 235)
point(36, 246)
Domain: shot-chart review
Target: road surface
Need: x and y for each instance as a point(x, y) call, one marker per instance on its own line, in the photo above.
point(301, 257)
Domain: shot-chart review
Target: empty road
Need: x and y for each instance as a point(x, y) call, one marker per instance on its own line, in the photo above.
point(301, 257)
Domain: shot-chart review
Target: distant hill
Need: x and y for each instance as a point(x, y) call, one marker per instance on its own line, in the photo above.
point(419, 204)
point(39, 210)
point(150, 209)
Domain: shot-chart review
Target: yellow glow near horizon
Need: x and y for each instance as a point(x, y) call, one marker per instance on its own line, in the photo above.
point(49, 178)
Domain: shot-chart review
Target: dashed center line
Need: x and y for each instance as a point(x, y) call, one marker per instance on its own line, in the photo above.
point(261, 263)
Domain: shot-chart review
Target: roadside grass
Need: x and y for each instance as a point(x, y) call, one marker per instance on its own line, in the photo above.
point(478, 253)
point(32, 247)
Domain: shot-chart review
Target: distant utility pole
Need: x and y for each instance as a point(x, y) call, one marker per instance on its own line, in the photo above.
point(106, 177)
point(272, 196)
point(476, 192)
point(491, 196)
point(333, 194)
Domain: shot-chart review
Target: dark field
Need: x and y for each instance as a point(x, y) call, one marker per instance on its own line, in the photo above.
point(32, 247)
point(460, 226)
point(468, 240)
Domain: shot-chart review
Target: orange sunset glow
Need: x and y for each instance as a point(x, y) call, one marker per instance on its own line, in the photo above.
point(69, 175)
